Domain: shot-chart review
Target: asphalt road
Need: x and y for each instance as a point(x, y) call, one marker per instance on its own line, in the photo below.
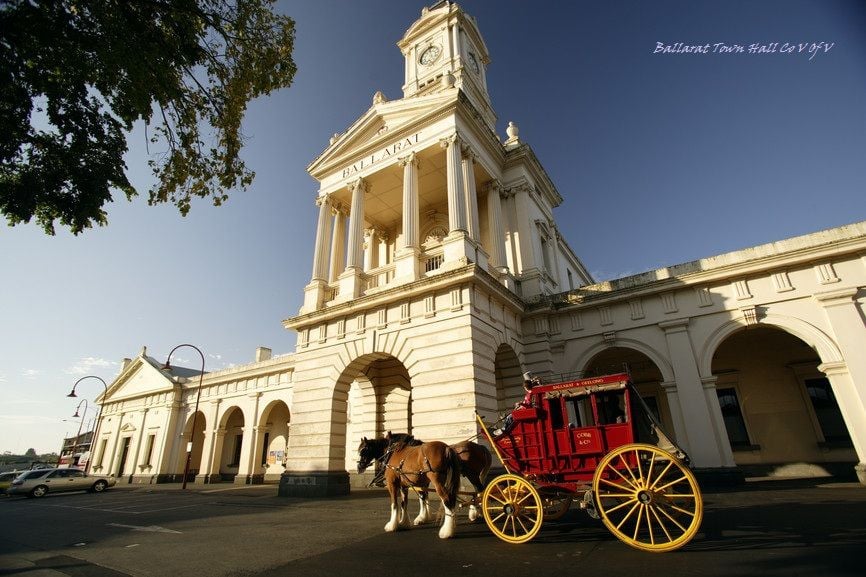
point(790, 528)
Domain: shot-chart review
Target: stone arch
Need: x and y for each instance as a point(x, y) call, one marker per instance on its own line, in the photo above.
point(272, 440)
point(656, 357)
point(372, 395)
point(646, 373)
point(823, 345)
point(228, 443)
point(780, 412)
point(508, 372)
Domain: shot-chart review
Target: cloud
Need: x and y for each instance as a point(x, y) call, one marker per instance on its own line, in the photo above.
point(30, 374)
point(87, 365)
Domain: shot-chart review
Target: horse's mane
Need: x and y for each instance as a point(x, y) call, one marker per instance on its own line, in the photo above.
point(399, 441)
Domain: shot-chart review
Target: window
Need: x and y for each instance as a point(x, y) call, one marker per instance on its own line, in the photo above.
point(102, 446)
point(148, 452)
point(265, 445)
point(733, 417)
point(827, 411)
point(236, 458)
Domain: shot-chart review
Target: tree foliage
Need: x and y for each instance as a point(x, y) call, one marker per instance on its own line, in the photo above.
point(75, 75)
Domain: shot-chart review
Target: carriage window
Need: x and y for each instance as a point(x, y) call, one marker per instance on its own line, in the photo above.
point(580, 412)
point(611, 407)
point(555, 412)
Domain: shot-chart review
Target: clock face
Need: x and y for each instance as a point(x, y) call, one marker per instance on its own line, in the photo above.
point(473, 63)
point(430, 55)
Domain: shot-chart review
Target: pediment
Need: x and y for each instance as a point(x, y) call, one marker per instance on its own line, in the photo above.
point(127, 428)
point(382, 124)
point(141, 377)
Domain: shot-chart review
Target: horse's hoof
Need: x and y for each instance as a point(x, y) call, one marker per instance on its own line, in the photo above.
point(389, 528)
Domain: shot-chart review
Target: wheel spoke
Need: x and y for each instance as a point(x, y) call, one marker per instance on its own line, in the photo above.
point(627, 515)
point(634, 482)
point(674, 482)
point(661, 476)
point(672, 520)
point(640, 512)
point(660, 523)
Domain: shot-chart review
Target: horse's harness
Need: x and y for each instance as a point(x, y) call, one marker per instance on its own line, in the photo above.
point(403, 475)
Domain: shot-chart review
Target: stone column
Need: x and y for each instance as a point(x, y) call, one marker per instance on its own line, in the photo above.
point(356, 225)
point(700, 440)
point(352, 279)
point(321, 250)
point(411, 217)
point(369, 248)
point(406, 257)
point(211, 440)
point(338, 244)
point(249, 470)
point(468, 168)
point(497, 232)
point(846, 321)
point(456, 195)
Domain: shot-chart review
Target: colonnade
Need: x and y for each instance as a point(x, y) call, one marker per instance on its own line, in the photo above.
point(340, 259)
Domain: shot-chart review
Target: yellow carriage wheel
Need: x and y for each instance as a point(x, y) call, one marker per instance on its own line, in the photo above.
point(556, 506)
point(512, 508)
point(647, 498)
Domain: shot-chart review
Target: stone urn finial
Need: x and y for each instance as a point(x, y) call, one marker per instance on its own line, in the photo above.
point(448, 80)
point(512, 131)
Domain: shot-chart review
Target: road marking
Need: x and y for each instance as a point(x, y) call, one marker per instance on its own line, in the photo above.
point(149, 528)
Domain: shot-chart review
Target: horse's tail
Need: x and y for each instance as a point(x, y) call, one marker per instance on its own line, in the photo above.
point(452, 479)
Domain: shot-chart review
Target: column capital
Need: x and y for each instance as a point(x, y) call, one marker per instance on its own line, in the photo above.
point(675, 326)
point(836, 297)
point(453, 139)
point(358, 184)
point(410, 158)
point(338, 209)
point(467, 152)
point(494, 186)
point(323, 200)
point(834, 368)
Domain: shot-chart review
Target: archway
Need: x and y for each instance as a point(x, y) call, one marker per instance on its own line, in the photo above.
point(229, 443)
point(509, 378)
point(779, 410)
point(272, 441)
point(197, 438)
point(375, 391)
point(645, 374)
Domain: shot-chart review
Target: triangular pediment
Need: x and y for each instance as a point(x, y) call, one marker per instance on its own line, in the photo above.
point(382, 124)
point(127, 428)
point(142, 376)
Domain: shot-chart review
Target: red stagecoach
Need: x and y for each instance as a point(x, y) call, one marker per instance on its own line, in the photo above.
point(597, 440)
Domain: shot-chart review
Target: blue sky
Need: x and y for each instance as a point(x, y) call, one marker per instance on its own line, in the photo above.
point(661, 159)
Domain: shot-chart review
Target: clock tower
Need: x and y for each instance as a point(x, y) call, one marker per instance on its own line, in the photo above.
point(443, 51)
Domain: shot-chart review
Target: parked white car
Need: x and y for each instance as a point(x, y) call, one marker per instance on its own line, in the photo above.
point(40, 482)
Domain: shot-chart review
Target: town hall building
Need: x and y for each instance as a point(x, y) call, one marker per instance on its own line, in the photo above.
point(439, 276)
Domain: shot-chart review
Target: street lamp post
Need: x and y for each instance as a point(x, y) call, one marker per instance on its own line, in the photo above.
point(189, 445)
point(98, 414)
point(78, 435)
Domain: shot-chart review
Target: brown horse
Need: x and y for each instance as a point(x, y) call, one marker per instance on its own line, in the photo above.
point(415, 465)
point(475, 462)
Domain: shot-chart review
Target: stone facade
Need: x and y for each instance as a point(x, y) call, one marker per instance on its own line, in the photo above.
point(439, 276)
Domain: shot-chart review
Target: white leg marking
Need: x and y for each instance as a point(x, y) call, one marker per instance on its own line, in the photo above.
point(473, 512)
point(423, 512)
point(447, 530)
point(392, 524)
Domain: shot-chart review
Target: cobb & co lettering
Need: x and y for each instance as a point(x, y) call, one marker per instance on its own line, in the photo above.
point(384, 154)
